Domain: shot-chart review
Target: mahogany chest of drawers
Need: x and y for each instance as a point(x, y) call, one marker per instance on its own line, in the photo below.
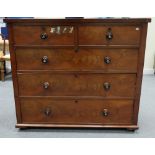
point(77, 72)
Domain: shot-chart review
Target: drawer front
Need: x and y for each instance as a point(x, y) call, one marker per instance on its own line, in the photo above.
point(44, 35)
point(84, 59)
point(114, 35)
point(77, 111)
point(48, 84)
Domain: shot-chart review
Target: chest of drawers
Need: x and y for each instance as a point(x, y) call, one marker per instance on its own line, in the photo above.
point(77, 72)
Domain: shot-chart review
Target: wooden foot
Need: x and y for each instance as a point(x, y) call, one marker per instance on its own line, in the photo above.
point(131, 129)
point(23, 128)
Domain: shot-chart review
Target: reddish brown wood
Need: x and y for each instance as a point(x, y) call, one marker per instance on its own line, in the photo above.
point(76, 111)
point(83, 46)
point(122, 35)
point(26, 125)
point(14, 73)
point(32, 35)
point(81, 21)
point(84, 59)
point(141, 55)
point(76, 74)
point(121, 85)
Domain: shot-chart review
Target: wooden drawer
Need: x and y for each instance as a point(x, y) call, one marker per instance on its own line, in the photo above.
point(84, 59)
point(118, 35)
point(80, 111)
point(78, 84)
point(51, 35)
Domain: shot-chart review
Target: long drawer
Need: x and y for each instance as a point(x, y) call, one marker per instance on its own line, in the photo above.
point(84, 59)
point(76, 84)
point(113, 35)
point(76, 111)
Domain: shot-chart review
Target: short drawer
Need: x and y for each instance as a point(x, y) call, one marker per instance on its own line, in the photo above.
point(84, 59)
point(114, 35)
point(43, 35)
point(76, 84)
point(80, 111)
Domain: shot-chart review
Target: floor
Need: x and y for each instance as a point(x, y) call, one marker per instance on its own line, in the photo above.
point(146, 118)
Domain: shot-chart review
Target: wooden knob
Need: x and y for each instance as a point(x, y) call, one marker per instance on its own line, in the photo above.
point(45, 59)
point(106, 86)
point(43, 36)
point(107, 60)
point(46, 85)
point(105, 112)
point(109, 34)
point(47, 111)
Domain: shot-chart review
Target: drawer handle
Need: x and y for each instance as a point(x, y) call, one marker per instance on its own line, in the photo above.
point(47, 111)
point(107, 60)
point(45, 59)
point(105, 112)
point(106, 86)
point(43, 36)
point(46, 85)
point(109, 35)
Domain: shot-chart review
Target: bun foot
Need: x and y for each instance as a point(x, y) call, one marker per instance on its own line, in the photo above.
point(131, 129)
point(22, 128)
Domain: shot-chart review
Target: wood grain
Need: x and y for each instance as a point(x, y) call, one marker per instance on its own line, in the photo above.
point(76, 73)
point(84, 59)
point(77, 85)
point(122, 35)
point(77, 111)
point(32, 36)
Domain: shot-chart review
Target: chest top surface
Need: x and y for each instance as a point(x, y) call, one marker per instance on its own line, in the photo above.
point(82, 20)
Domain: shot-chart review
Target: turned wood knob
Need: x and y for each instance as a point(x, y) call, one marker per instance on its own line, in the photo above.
point(107, 60)
point(46, 85)
point(109, 34)
point(105, 112)
point(47, 111)
point(106, 86)
point(43, 36)
point(45, 59)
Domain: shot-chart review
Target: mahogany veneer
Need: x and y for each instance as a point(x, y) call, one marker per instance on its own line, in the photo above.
point(77, 72)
